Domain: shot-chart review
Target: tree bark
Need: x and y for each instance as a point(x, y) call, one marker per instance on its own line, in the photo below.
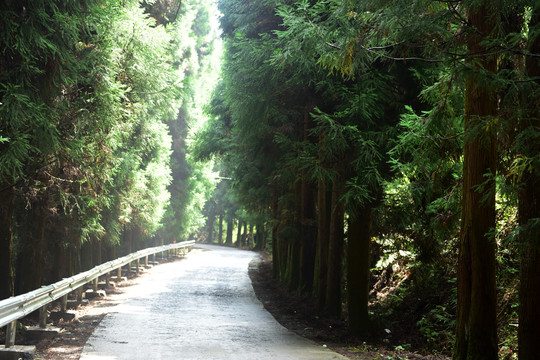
point(97, 257)
point(7, 199)
point(211, 228)
point(292, 240)
point(335, 254)
point(249, 237)
point(61, 260)
point(323, 232)
point(128, 239)
point(74, 258)
point(30, 263)
point(276, 256)
point(239, 234)
point(308, 229)
point(244, 233)
point(358, 269)
point(87, 252)
point(260, 236)
point(220, 231)
point(229, 237)
point(293, 264)
point(529, 215)
point(308, 237)
point(476, 327)
point(529, 290)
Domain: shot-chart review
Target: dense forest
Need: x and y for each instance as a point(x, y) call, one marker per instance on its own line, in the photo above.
point(386, 154)
point(97, 99)
point(387, 144)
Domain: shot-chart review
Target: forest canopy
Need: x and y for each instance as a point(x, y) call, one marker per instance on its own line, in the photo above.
point(387, 150)
point(96, 102)
point(385, 154)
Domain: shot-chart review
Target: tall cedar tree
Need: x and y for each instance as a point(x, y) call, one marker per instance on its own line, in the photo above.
point(529, 206)
point(37, 52)
point(476, 327)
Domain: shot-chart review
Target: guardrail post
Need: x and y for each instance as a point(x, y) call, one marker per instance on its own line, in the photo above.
point(146, 261)
point(79, 294)
point(63, 303)
point(43, 316)
point(107, 279)
point(11, 331)
point(22, 305)
point(119, 273)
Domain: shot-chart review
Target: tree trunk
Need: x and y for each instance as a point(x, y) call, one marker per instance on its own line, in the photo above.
point(257, 237)
point(276, 270)
point(7, 199)
point(476, 327)
point(229, 238)
point(108, 250)
point(74, 258)
point(211, 219)
point(61, 261)
point(294, 240)
point(308, 237)
point(529, 213)
point(128, 239)
point(275, 254)
point(249, 237)
point(283, 254)
point(335, 254)
point(358, 265)
point(239, 234)
point(220, 231)
point(31, 254)
point(244, 233)
point(87, 252)
point(97, 257)
point(323, 233)
point(308, 229)
point(138, 239)
point(529, 290)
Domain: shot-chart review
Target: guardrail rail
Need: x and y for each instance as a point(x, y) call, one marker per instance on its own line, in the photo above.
point(17, 307)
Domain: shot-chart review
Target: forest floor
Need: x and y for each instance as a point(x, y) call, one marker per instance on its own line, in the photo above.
point(294, 312)
point(299, 314)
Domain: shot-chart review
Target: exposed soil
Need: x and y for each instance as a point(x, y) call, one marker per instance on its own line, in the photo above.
point(301, 315)
point(296, 313)
point(69, 343)
point(74, 334)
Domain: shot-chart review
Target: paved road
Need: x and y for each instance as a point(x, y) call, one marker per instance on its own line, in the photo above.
point(202, 307)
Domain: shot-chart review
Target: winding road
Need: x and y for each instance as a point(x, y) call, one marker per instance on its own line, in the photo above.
point(202, 307)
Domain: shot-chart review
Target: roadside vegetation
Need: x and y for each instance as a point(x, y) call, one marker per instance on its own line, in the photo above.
point(384, 154)
point(96, 102)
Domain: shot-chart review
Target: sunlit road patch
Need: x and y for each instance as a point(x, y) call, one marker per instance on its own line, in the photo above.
point(201, 308)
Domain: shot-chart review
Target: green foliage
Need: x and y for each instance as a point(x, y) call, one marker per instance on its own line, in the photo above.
point(370, 95)
point(90, 93)
point(437, 327)
point(112, 119)
point(196, 44)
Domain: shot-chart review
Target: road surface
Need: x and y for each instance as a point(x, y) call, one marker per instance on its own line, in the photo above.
point(202, 307)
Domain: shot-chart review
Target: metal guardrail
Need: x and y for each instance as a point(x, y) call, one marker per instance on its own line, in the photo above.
point(17, 307)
